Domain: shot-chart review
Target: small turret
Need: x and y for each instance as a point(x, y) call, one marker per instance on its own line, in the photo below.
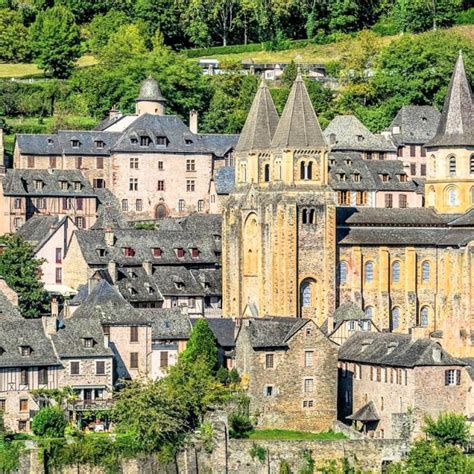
point(150, 99)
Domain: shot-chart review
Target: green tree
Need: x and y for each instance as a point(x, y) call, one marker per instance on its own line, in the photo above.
point(103, 26)
point(20, 269)
point(13, 37)
point(289, 74)
point(55, 41)
point(202, 344)
point(49, 422)
point(448, 428)
point(86, 10)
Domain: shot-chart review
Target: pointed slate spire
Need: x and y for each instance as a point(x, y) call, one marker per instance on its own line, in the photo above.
point(456, 126)
point(298, 126)
point(261, 122)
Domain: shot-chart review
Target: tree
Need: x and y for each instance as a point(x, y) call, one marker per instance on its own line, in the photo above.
point(202, 344)
point(13, 37)
point(20, 269)
point(103, 26)
point(449, 428)
point(56, 41)
point(289, 74)
point(49, 422)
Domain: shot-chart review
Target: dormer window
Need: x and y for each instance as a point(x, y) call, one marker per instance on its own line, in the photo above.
point(102, 252)
point(179, 285)
point(75, 143)
point(131, 274)
point(179, 252)
point(403, 178)
point(342, 177)
point(188, 141)
point(161, 141)
point(385, 177)
point(128, 252)
point(149, 289)
point(194, 252)
point(217, 237)
point(424, 119)
point(64, 185)
point(332, 162)
point(38, 184)
point(207, 285)
point(157, 252)
point(77, 185)
point(99, 144)
point(356, 177)
point(132, 291)
point(348, 161)
point(88, 342)
point(134, 140)
point(25, 351)
point(50, 141)
point(360, 138)
point(145, 140)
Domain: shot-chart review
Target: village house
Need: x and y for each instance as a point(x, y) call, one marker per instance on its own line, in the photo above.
point(289, 369)
point(387, 381)
point(25, 193)
point(154, 164)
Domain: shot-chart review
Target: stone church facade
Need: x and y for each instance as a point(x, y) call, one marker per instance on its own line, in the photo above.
point(289, 251)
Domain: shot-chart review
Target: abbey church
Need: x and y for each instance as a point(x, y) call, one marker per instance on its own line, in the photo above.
point(289, 251)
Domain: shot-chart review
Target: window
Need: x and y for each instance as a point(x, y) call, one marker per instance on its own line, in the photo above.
point(66, 204)
point(22, 424)
point(99, 162)
point(43, 375)
point(99, 144)
point(452, 196)
point(356, 177)
point(75, 368)
point(52, 162)
point(17, 203)
point(423, 169)
point(134, 360)
point(194, 252)
point(422, 151)
point(98, 183)
point(40, 203)
point(128, 252)
point(180, 252)
point(381, 155)
point(424, 317)
point(134, 163)
point(100, 367)
point(385, 177)
point(343, 269)
point(23, 404)
point(145, 141)
point(25, 351)
point(369, 312)
point(269, 361)
point(181, 205)
point(471, 164)
point(344, 198)
point(38, 184)
point(190, 165)
point(79, 221)
point(157, 252)
point(396, 272)
point(357, 371)
point(200, 205)
point(160, 165)
point(161, 141)
point(134, 334)
point(389, 200)
point(306, 294)
point(79, 204)
point(18, 222)
point(268, 391)
point(412, 150)
point(308, 386)
point(402, 201)
point(24, 377)
point(190, 185)
point(452, 166)
point(400, 152)
point(191, 302)
point(395, 319)
point(351, 325)
point(425, 272)
point(164, 359)
point(308, 403)
point(413, 169)
point(266, 173)
point(2, 404)
point(452, 377)
point(308, 358)
point(31, 162)
point(160, 185)
point(369, 272)
point(133, 184)
point(124, 204)
point(59, 275)
point(369, 155)
point(361, 198)
point(139, 205)
point(88, 342)
point(78, 161)
point(106, 330)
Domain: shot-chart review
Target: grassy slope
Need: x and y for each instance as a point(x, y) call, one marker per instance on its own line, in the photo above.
point(293, 435)
point(314, 53)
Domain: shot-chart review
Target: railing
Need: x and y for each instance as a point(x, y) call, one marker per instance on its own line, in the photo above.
point(82, 405)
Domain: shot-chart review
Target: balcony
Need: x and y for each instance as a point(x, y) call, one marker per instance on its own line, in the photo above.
point(83, 405)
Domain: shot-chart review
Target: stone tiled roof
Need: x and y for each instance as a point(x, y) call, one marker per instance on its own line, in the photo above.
point(21, 182)
point(223, 329)
point(346, 132)
point(176, 281)
point(7, 310)
point(466, 219)
point(168, 323)
point(366, 413)
point(225, 179)
point(150, 91)
point(417, 123)
point(135, 285)
point(25, 332)
point(38, 229)
point(298, 126)
point(209, 279)
point(456, 127)
point(261, 123)
point(470, 366)
point(348, 312)
point(391, 349)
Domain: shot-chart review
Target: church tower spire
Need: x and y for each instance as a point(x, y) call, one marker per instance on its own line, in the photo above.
point(450, 183)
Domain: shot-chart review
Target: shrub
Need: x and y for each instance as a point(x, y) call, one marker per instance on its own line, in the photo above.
point(222, 375)
point(50, 422)
point(284, 467)
point(240, 425)
point(234, 376)
point(258, 452)
point(466, 17)
point(449, 428)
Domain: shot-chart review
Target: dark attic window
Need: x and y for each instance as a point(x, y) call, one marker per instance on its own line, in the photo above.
point(134, 141)
point(188, 141)
point(157, 252)
point(128, 252)
point(145, 141)
point(88, 342)
point(75, 143)
point(194, 252)
point(99, 144)
point(180, 252)
point(25, 351)
point(101, 252)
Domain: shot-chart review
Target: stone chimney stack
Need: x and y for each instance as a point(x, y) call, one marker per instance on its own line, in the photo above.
point(112, 268)
point(148, 267)
point(50, 323)
point(54, 308)
point(193, 121)
point(109, 237)
point(113, 112)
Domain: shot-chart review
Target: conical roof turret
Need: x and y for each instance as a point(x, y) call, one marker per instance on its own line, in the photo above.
point(298, 126)
point(150, 91)
point(261, 122)
point(456, 126)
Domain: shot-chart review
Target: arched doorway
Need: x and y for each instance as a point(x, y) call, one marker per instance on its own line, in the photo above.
point(161, 211)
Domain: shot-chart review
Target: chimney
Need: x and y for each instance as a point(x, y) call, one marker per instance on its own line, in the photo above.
point(91, 284)
point(50, 323)
point(67, 310)
point(109, 237)
point(54, 308)
point(193, 121)
point(113, 112)
point(148, 267)
point(112, 268)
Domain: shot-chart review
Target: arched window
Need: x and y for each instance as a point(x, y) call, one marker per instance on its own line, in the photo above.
point(471, 164)
point(278, 170)
point(425, 271)
point(452, 166)
point(304, 216)
point(312, 217)
point(251, 248)
point(395, 319)
point(369, 312)
point(343, 272)
point(396, 272)
point(452, 196)
point(369, 272)
point(266, 173)
point(309, 170)
point(306, 293)
point(424, 316)
point(302, 170)
point(243, 172)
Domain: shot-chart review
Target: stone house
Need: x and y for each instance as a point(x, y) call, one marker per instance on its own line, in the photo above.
point(289, 368)
point(410, 130)
point(386, 379)
point(50, 237)
point(25, 193)
point(154, 163)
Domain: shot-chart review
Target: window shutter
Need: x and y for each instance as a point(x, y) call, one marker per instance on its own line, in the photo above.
point(446, 377)
point(458, 377)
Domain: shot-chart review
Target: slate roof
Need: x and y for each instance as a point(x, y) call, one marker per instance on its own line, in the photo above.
point(347, 132)
point(136, 286)
point(8, 310)
point(69, 339)
point(25, 332)
point(417, 123)
point(223, 329)
point(368, 412)
point(348, 312)
point(456, 126)
point(470, 366)
point(261, 123)
point(224, 179)
point(150, 91)
point(391, 349)
point(209, 279)
point(298, 126)
point(21, 182)
point(39, 228)
point(168, 323)
point(272, 332)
